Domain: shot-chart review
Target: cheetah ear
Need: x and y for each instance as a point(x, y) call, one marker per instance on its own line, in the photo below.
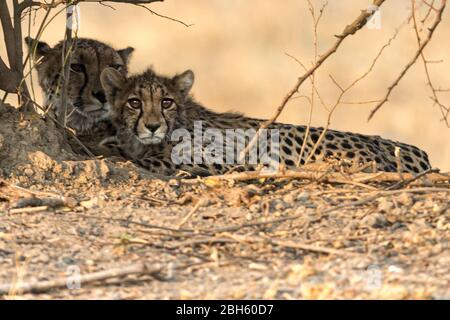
point(39, 48)
point(183, 82)
point(112, 80)
point(125, 54)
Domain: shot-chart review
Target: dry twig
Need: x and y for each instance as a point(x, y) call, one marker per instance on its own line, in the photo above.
point(445, 111)
point(28, 210)
point(331, 177)
point(422, 46)
point(350, 29)
point(141, 268)
point(186, 218)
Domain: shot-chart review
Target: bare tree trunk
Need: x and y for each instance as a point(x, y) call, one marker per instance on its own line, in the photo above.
point(8, 33)
point(11, 79)
point(23, 93)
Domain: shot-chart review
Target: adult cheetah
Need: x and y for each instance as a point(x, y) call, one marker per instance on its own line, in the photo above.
point(87, 109)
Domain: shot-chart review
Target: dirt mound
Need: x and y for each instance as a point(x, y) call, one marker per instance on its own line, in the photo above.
point(33, 150)
point(24, 135)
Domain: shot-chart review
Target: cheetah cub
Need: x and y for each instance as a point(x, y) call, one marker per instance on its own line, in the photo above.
point(151, 112)
point(87, 109)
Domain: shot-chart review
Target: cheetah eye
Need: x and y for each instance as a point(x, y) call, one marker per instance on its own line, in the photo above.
point(77, 67)
point(166, 103)
point(116, 66)
point(134, 103)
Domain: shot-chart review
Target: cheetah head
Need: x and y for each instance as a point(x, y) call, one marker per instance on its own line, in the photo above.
point(147, 105)
point(86, 98)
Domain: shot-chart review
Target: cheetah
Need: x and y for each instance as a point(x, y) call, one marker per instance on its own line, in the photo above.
point(87, 108)
point(148, 109)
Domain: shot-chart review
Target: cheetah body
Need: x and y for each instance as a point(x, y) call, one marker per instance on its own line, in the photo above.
point(297, 144)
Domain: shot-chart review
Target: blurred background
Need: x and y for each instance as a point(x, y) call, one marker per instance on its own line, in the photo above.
point(237, 49)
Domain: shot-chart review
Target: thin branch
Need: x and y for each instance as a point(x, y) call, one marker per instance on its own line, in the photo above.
point(67, 48)
point(29, 3)
point(431, 6)
point(360, 102)
point(42, 27)
point(444, 110)
point(350, 29)
point(312, 78)
point(344, 91)
point(187, 217)
point(140, 268)
point(163, 16)
point(430, 9)
point(331, 177)
point(403, 183)
point(107, 5)
point(315, 87)
point(122, 1)
point(413, 60)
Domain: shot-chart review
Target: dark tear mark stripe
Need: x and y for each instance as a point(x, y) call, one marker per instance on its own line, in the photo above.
point(80, 93)
point(137, 121)
point(151, 94)
point(97, 54)
point(141, 111)
point(164, 117)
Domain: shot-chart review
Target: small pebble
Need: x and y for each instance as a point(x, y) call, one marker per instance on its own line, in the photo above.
point(385, 205)
point(376, 220)
point(302, 197)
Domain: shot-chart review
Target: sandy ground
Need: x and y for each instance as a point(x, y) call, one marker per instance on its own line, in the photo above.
point(114, 232)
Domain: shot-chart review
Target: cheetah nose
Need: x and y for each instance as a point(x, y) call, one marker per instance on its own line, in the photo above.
point(100, 96)
point(152, 127)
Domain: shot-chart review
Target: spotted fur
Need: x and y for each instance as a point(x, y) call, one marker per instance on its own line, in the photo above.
point(152, 147)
